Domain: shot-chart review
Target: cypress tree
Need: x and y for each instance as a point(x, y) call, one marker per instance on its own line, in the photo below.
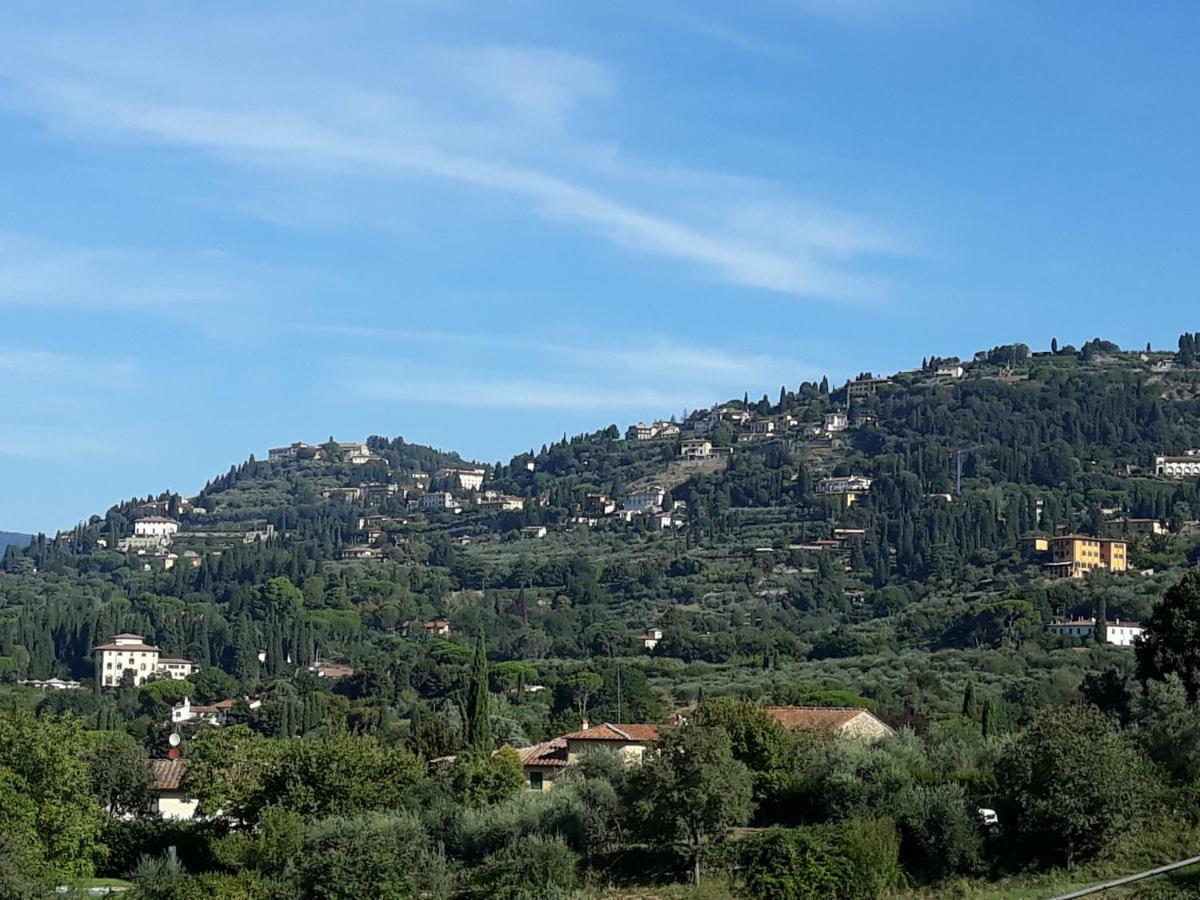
point(1101, 621)
point(968, 705)
point(478, 721)
point(990, 718)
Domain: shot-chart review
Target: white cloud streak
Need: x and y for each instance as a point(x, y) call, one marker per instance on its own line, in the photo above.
point(654, 356)
point(502, 130)
point(518, 394)
point(37, 272)
point(44, 365)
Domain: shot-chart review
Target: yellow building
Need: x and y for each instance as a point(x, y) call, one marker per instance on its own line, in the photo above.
point(1075, 555)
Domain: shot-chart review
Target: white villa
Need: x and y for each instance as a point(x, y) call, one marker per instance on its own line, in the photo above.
point(467, 479)
point(155, 527)
point(1186, 466)
point(1117, 633)
point(436, 500)
point(130, 652)
point(836, 421)
point(845, 484)
point(645, 499)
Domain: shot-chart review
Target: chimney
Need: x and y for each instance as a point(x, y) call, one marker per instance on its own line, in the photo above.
point(583, 725)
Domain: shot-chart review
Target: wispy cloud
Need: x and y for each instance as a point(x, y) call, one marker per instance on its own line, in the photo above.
point(21, 440)
point(521, 395)
point(44, 273)
point(497, 122)
point(653, 356)
point(45, 365)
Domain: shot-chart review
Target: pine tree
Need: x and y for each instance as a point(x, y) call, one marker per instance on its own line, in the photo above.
point(478, 713)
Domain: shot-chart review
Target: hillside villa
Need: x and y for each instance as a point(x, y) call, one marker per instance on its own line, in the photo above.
point(1076, 555)
point(130, 652)
point(1186, 466)
point(1117, 633)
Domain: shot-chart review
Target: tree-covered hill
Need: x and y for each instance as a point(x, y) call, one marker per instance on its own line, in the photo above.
point(14, 538)
point(761, 573)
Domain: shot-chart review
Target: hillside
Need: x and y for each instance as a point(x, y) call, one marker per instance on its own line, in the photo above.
point(764, 569)
point(931, 546)
point(14, 538)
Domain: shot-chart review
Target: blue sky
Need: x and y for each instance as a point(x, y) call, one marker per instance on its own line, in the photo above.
point(480, 226)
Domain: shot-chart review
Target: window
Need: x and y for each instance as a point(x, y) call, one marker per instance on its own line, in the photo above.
point(535, 780)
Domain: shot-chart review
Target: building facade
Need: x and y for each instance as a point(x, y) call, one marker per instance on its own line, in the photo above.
point(130, 653)
point(1118, 633)
point(1075, 555)
point(155, 527)
point(1187, 466)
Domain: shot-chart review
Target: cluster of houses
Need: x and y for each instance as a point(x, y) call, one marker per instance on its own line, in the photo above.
point(155, 535)
point(353, 452)
point(631, 743)
point(642, 503)
point(544, 762)
point(215, 714)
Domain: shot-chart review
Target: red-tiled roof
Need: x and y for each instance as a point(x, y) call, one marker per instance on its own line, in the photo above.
point(168, 774)
point(825, 718)
point(610, 732)
point(550, 753)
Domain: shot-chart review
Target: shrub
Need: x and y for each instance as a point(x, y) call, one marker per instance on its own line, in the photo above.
point(851, 860)
point(532, 869)
point(376, 855)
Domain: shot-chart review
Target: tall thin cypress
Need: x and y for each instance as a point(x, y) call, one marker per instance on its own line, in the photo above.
point(478, 721)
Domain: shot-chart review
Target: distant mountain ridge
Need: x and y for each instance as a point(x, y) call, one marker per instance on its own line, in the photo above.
point(14, 537)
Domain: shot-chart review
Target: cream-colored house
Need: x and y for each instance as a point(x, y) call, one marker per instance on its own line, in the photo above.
point(842, 722)
point(170, 799)
point(543, 762)
point(629, 742)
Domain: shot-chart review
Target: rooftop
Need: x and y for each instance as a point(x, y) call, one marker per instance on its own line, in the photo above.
point(168, 774)
point(130, 647)
point(815, 717)
point(610, 732)
point(550, 753)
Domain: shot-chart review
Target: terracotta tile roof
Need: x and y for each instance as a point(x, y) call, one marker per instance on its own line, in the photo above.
point(610, 732)
point(823, 718)
point(168, 774)
point(550, 753)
